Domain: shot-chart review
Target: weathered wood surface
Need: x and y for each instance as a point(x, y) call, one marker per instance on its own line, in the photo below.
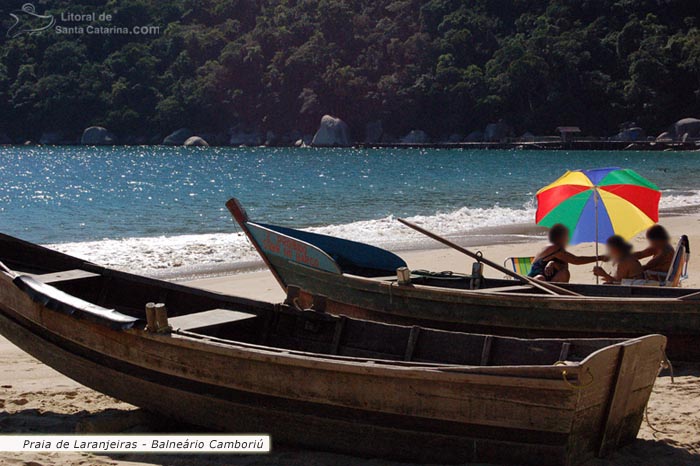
point(516, 314)
point(516, 398)
point(352, 383)
point(209, 318)
point(63, 276)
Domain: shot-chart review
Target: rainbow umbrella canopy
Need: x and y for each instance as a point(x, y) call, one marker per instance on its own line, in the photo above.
point(596, 204)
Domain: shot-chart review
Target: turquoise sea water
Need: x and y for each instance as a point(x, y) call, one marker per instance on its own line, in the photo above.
point(89, 196)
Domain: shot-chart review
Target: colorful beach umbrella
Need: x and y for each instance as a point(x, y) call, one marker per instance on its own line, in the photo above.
point(596, 204)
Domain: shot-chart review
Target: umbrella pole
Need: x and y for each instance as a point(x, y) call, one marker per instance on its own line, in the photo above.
point(597, 263)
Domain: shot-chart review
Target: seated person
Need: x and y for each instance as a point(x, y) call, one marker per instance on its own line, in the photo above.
point(625, 265)
point(552, 263)
point(661, 252)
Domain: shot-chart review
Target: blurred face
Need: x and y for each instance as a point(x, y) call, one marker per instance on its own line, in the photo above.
point(614, 252)
point(563, 240)
point(657, 244)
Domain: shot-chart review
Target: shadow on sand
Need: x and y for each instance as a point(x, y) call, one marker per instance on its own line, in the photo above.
point(139, 421)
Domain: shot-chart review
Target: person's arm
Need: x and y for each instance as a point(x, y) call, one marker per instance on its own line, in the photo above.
point(576, 260)
point(642, 254)
point(653, 263)
point(600, 272)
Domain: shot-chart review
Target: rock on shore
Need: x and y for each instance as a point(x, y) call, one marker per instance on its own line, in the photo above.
point(97, 136)
point(196, 141)
point(333, 132)
point(178, 138)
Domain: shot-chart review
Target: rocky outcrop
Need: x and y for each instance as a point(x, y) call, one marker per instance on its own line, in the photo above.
point(333, 132)
point(416, 136)
point(374, 131)
point(5, 139)
point(498, 132)
point(243, 136)
point(687, 128)
point(97, 136)
point(195, 141)
point(178, 138)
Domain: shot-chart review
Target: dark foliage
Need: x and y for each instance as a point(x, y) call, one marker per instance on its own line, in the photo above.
point(443, 66)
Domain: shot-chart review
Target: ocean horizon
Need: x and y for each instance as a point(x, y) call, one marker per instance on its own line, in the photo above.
point(158, 208)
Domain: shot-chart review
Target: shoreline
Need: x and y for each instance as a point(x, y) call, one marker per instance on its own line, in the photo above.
point(505, 238)
point(551, 143)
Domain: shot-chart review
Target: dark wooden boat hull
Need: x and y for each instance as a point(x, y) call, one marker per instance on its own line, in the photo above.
point(402, 405)
point(319, 266)
point(514, 314)
point(196, 405)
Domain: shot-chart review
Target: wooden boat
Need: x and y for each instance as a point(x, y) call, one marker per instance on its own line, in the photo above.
point(325, 381)
point(359, 280)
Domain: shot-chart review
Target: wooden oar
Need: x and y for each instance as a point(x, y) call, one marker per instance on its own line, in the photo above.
point(547, 287)
point(690, 297)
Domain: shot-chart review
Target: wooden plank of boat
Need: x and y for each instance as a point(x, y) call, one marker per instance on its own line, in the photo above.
point(520, 409)
point(64, 275)
point(212, 317)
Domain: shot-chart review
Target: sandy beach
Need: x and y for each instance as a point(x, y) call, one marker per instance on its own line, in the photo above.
point(34, 398)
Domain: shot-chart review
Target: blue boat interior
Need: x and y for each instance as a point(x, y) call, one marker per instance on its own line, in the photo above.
point(352, 257)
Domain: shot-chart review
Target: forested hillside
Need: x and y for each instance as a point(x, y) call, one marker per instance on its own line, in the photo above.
point(443, 66)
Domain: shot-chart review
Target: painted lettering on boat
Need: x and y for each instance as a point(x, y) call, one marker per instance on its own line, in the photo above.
point(279, 245)
point(289, 248)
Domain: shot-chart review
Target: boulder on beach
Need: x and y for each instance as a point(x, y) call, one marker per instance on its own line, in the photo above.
point(416, 136)
point(332, 132)
point(178, 138)
point(195, 141)
point(374, 131)
point(97, 136)
point(689, 126)
point(498, 132)
point(454, 138)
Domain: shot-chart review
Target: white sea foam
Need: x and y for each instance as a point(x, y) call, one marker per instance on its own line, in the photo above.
point(186, 254)
point(209, 253)
point(673, 199)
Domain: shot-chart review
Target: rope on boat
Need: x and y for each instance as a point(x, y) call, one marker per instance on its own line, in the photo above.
point(666, 364)
point(297, 306)
point(564, 374)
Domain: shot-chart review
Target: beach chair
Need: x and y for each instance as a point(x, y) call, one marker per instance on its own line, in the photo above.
point(520, 265)
point(676, 273)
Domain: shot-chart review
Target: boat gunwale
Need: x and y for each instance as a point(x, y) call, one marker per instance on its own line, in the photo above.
point(484, 292)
